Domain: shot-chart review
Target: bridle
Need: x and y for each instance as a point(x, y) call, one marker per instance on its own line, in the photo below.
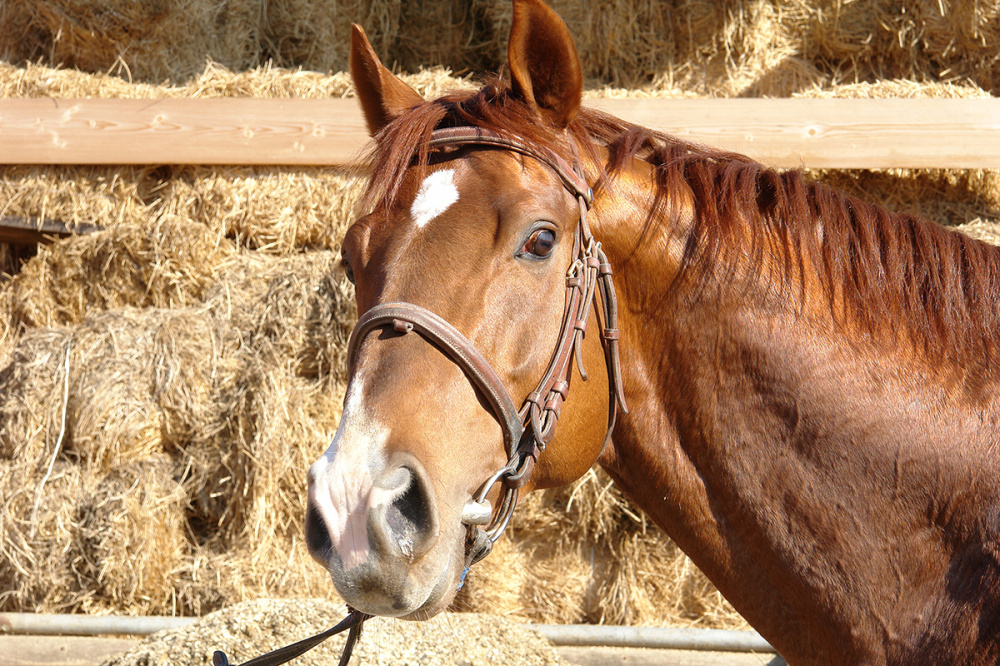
point(526, 431)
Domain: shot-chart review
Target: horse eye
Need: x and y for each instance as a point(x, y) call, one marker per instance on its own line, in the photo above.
point(540, 243)
point(348, 271)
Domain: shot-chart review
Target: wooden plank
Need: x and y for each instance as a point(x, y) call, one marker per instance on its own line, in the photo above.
point(21, 231)
point(60, 650)
point(180, 131)
point(833, 133)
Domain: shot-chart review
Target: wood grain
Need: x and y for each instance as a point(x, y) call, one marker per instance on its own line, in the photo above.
point(833, 133)
point(180, 131)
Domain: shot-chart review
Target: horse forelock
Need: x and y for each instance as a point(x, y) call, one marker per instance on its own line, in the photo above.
point(404, 142)
point(940, 285)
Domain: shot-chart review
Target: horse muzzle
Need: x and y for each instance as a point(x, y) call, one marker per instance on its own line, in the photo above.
point(381, 541)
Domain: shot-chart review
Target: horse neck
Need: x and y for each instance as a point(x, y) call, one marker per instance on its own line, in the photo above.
point(744, 398)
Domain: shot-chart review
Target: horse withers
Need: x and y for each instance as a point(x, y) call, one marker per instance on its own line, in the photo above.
point(806, 401)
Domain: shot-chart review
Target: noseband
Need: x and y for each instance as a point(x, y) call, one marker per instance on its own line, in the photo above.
point(526, 431)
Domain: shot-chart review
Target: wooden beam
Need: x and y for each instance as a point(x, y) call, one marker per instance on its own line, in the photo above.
point(180, 131)
point(22, 231)
point(834, 133)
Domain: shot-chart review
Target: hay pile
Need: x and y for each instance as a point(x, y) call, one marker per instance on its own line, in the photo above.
point(196, 346)
point(249, 629)
point(165, 383)
point(760, 47)
point(162, 393)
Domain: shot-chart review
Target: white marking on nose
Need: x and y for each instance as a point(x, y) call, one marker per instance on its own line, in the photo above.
point(342, 488)
point(437, 193)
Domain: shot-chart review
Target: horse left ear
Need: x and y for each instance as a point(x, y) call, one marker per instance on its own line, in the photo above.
point(384, 96)
point(544, 64)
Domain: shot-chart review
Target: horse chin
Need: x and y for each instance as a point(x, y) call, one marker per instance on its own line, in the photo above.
point(393, 588)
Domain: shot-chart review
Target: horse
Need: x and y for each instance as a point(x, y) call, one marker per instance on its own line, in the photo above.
point(798, 387)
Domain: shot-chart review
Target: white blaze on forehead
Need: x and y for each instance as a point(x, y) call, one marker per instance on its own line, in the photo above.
point(342, 488)
point(437, 193)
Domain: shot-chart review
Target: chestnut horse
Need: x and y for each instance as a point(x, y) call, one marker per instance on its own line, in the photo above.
point(810, 381)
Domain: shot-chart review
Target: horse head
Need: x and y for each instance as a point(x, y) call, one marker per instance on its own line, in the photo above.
point(474, 277)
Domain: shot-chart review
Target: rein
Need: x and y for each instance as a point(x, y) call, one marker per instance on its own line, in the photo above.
point(526, 431)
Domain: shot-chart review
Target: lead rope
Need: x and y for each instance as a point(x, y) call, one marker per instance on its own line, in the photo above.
point(353, 622)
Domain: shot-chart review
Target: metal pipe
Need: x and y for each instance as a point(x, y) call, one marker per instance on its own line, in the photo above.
point(664, 638)
point(717, 640)
point(87, 625)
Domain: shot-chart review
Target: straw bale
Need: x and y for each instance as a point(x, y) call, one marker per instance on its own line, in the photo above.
point(232, 381)
point(435, 32)
point(150, 41)
point(317, 34)
point(113, 541)
point(166, 264)
point(277, 210)
point(915, 39)
point(760, 47)
point(213, 79)
point(274, 210)
point(140, 382)
point(710, 48)
point(986, 231)
point(773, 47)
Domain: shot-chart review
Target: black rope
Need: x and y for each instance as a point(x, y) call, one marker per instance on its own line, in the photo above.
point(353, 622)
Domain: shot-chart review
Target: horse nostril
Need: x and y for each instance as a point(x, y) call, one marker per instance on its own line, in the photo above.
point(318, 540)
point(407, 516)
point(409, 521)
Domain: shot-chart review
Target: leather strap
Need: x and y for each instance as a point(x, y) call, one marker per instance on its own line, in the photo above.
point(572, 180)
point(458, 347)
point(352, 623)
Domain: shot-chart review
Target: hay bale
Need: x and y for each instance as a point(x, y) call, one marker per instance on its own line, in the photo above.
point(988, 232)
point(316, 35)
point(206, 327)
point(914, 39)
point(166, 263)
point(98, 542)
point(772, 47)
point(252, 628)
point(762, 47)
point(148, 41)
point(135, 378)
point(237, 392)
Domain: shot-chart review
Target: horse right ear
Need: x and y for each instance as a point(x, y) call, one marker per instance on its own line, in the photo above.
point(544, 65)
point(384, 96)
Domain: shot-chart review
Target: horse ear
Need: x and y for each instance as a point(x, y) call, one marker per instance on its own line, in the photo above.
point(383, 95)
point(544, 65)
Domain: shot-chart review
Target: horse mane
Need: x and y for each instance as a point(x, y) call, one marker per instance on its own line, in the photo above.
point(869, 260)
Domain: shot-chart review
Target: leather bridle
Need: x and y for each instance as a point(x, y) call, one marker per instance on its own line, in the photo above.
point(526, 431)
